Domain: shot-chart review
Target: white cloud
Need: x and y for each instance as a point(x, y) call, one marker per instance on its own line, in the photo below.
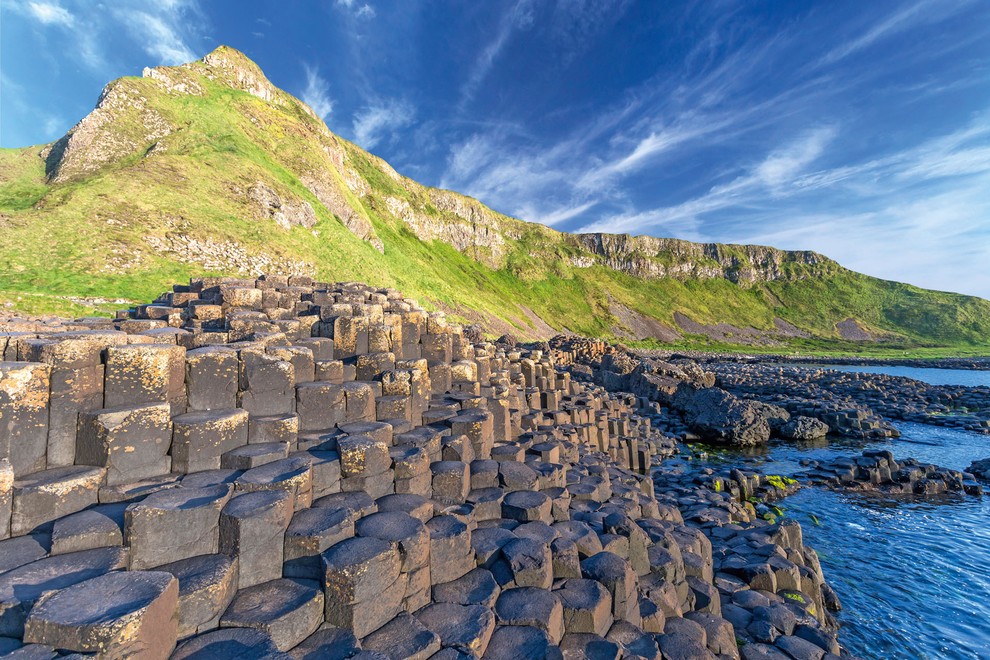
point(519, 17)
point(784, 165)
point(54, 126)
point(164, 29)
point(774, 175)
point(50, 13)
point(160, 34)
point(317, 93)
point(926, 11)
point(557, 215)
point(380, 120)
point(358, 10)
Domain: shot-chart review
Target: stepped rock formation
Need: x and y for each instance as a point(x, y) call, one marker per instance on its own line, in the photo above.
point(209, 166)
point(281, 467)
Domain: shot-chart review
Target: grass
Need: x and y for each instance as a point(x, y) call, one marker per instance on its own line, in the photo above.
point(91, 237)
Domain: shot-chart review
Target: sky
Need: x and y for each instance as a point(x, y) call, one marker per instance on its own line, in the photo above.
point(860, 130)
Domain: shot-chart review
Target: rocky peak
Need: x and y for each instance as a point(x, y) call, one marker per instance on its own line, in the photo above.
point(122, 122)
point(236, 69)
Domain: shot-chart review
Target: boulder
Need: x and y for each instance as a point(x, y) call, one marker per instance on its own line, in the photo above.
point(804, 428)
point(722, 417)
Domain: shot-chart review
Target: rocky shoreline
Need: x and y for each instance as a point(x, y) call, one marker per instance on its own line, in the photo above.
point(966, 363)
point(289, 469)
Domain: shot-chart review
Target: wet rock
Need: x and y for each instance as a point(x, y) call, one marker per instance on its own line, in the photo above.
point(804, 428)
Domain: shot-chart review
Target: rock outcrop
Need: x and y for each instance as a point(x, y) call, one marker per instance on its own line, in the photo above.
point(722, 417)
point(654, 258)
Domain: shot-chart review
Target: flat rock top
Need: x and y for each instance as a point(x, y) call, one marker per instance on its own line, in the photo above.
point(605, 565)
point(392, 526)
point(22, 550)
point(28, 582)
point(313, 521)
point(207, 416)
point(199, 572)
point(356, 552)
point(579, 593)
point(526, 499)
point(357, 502)
point(60, 477)
point(229, 644)
point(174, 499)
point(255, 503)
point(327, 643)
point(471, 416)
point(364, 428)
point(104, 598)
point(210, 478)
point(445, 527)
point(285, 468)
point(271, 600)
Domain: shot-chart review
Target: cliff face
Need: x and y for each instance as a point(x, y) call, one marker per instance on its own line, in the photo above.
point(654, 258)
point(209, 165)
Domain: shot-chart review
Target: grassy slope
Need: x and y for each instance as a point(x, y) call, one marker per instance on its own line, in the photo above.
point(80, 239)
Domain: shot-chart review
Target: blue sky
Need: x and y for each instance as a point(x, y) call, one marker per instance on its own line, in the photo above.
point(857, 129)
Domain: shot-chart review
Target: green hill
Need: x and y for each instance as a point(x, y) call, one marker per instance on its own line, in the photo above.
point(209, 168)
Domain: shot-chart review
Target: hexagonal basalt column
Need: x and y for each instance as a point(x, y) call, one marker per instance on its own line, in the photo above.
point(130, 614)
point(131, 441)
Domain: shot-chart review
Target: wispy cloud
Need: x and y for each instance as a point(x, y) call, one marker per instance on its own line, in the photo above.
point(161, 33)
point(317, 93)
point(50, 13)
point(782, 166)
point(773, 176)
point(654, 123)
point(519, 17)
point(357, 9)
point(381, 120)
point(164, 30)
point(911, 16)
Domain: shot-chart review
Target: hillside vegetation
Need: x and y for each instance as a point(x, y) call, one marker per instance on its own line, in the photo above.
point(208, 168)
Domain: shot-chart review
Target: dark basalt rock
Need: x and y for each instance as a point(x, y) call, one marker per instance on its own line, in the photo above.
point(328, 470)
